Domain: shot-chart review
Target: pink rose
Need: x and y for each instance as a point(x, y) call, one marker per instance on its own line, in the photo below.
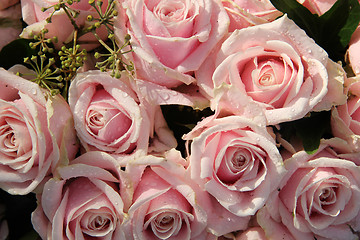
point(353, 51)
point(318, 197)
point(318, 7)
point(36, 133)
point(236, 161)
point(7, 3)
point(171, 39)
point(82, 201)
point(60, 26)
point(10, 26)
point(276, 65)
point(345, 119)
point(110, 117)
point(167, 204)
point(254, 233)
point(248, 13)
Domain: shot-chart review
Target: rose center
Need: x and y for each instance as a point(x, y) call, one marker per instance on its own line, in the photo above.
point(238, 161)
point(166, 225)
point(99, 223)
point(266, 80)
point(96, 120)
point(327, 196)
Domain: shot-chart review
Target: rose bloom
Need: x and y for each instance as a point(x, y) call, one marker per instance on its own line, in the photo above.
point(277, 66)
point(236, 161)
point(318, 198)
point(83, 201)
point(10, 26)
point(167, 204)
point(171, 39)
point(60, 25)
point(254, 233)
point(7, 3)
point(36, 133)
point(345, 119)
point(110, 117)
point(249, 13)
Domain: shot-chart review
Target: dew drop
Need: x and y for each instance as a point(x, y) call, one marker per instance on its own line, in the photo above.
point(33, 91)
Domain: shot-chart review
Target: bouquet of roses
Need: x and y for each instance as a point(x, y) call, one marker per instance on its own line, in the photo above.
point(180, 119)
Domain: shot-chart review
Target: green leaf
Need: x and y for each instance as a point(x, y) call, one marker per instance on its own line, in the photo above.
point(332, 31)
point(181, 119)
point(352, 22)
point(15, 52)
point(309, 22)
point(310, 130)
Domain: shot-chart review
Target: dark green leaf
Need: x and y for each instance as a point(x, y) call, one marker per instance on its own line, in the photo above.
point(300, 15)
point(310, 130)
point(181, 119)
point(15, 52)
point(332, 31)
point(351, 24)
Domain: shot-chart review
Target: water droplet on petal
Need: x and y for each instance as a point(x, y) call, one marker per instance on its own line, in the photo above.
point(34, 91)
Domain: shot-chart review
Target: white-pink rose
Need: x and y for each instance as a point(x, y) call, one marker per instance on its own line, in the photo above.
point(109, 116)
point(171, 39)
point(36, 132)
point(318, 7)
point(248, 13)
point(345, 119)
point(319, 196)
point(254, 233)
point(10, 26)
point(276, 65)
point(7, 3)
point(236, 161)
point(167, 204)
point(353, 51)
point(60, 25)
point(83, 201)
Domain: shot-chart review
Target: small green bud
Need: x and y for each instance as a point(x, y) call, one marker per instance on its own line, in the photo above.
point(115, 13)
point(97, 24)
point(89, 18)
point(51, 61)
point(33, 58)
point(117, 74)
point(55, 39)
point(129, 67)
point(57, 7)
point(91, 2)
point(63, 48)
point(50, 50)
point(97, 55)
point(48, 20)
point(127, 37)
point(43, 9)
point(69, 2)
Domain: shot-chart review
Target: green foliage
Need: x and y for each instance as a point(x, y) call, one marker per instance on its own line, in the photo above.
point(15, 52)
point(332, 31)
point(181, 119)
point(310, 130)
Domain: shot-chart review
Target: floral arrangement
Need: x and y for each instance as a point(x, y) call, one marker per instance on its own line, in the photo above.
point(180, 119)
